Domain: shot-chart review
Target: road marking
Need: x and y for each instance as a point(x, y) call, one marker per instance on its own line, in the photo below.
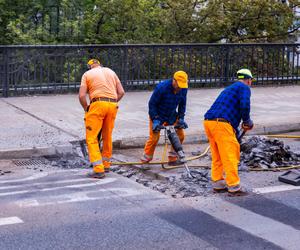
point(32, 177)
point(44, 174)
point(44, 183)
point(10, 221)
point(81, 196)
point(99, 182)
point(274, 189)
point(266, 228)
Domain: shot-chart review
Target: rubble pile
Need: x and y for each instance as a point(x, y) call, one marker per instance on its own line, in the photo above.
point(177, 186)
point(68, 162)
point(264, 153)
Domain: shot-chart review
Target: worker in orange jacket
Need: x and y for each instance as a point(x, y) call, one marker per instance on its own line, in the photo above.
point(221, 123)
point(105, 91)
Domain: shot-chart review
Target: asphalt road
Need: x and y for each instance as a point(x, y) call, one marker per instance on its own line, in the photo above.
point(62, 209)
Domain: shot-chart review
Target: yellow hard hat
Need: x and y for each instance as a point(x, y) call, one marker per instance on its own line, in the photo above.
point(244, 74)
point(93, 61)
point(182, 79)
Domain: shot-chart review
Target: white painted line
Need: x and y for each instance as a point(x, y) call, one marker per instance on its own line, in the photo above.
point(274, 189)
point(44, 174)
point(10, 221)
point(260, 226)
point(82, 196)
point(99, 182)
point(32, 177)
point(44, 183)
point(28, 203)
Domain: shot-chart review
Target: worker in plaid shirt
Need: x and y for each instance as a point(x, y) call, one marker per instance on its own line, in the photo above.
point(221, 123)
point(167, 106)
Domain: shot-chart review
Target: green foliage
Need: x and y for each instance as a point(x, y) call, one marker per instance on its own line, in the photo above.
point(146, 21)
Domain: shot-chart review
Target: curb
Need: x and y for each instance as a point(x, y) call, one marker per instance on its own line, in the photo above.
point(36, 152)
point(134, 142)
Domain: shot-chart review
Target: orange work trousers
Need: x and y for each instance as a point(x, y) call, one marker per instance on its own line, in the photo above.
point(101, 116)
point(153, 140)
point(225, 152)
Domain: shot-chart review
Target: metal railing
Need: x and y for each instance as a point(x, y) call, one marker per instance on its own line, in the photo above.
point(58, 68)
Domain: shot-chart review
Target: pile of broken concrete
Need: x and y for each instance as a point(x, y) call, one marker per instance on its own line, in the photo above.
point(261, 152)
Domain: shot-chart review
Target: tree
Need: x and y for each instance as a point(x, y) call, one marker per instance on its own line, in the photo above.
point(146, 21)
point(230, 20)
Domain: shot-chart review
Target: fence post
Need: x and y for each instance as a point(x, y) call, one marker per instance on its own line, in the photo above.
point(226, 66)
point(125, 69)
point(5, 78)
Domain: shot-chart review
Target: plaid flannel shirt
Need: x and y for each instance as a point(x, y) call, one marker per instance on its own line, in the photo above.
point(164, 102)
point(233, 105)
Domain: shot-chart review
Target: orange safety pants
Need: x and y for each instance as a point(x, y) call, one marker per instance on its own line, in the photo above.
point(153, 140)
point(225, 152)
point(100, 117)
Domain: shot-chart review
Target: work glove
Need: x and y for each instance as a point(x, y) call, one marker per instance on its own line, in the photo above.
point(248, 125)
point(156, 126)
point(181, 124)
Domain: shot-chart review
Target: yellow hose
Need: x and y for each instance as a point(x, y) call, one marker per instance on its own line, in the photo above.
point(275, 169)
point(160, 162)
point(284, 136)
point(250, 169)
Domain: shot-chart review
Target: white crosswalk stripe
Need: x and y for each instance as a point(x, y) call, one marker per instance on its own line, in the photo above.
point(274, 189)
point(253, 223)
point(43, 183)
point(79, 197)
point(29, 178)
point(101, 182)
point(10, 221)
point(49, 192)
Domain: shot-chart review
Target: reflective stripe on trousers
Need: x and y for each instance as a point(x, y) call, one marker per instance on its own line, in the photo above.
point(106, 161)
point(101, 116)
point(225, 152)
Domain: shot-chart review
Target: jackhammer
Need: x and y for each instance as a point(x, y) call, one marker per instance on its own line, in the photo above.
point(170, 132)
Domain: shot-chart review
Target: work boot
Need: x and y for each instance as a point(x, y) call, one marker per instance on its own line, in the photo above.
point(145, 158)
point(175, 163)
point(106, 164)
point(100, 175)
point(237, 191)
point(219, 186)
point(173, 159)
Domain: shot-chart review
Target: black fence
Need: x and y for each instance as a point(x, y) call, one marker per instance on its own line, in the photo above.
point(26, 70)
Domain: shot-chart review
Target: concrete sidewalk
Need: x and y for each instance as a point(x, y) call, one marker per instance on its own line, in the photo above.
point(37, 123)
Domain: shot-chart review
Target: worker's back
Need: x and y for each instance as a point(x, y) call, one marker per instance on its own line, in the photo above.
point(232, 104)
point(101, 82)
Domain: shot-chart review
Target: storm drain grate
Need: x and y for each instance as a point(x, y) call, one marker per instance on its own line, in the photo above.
point(31, 162)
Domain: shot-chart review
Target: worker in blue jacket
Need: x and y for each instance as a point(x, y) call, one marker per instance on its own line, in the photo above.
point(167, 106)
point(221, 123)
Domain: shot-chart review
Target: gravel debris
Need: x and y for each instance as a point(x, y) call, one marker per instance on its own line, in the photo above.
point(264, 153)
point(178, 185)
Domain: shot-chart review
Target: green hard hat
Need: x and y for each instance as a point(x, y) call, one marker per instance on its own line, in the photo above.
point(244, 74)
